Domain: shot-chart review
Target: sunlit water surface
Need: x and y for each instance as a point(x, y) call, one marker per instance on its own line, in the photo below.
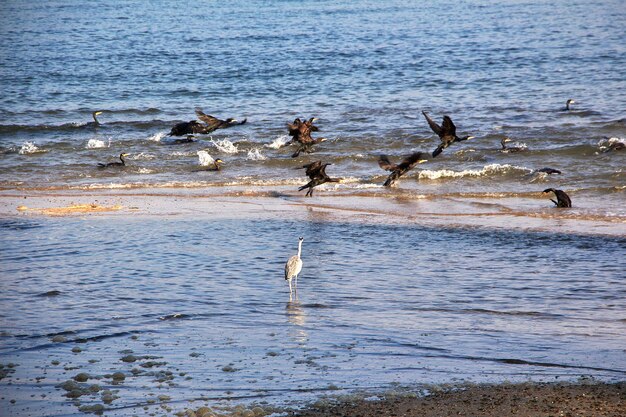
point(204, 308)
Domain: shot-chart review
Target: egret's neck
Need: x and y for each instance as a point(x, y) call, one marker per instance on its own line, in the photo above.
point(299, 248)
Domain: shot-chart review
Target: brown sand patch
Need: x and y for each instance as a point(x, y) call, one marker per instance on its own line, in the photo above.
point(74, 209)
point(523, 400)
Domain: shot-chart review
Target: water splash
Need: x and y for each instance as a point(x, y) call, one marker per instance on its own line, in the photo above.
point(278, 143)
point(226, 146)
point(205, 159)
point(97, 143)
point(157, 136)
point(488, 170)
point(256, 155)
point(30, 148)
point(608, 144)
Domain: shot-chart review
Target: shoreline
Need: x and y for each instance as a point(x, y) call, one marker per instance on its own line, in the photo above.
point(510, 213)
point(529, 399)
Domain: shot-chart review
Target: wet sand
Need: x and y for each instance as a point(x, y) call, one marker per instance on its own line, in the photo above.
point(533, 213)
point(523, 400)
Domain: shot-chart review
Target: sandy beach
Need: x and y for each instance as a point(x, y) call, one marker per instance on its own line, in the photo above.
point(498, 211)
point(521, 400)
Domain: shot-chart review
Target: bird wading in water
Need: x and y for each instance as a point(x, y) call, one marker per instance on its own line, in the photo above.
point(293, 268)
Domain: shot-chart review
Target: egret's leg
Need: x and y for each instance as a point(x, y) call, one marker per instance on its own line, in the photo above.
point(289, 281)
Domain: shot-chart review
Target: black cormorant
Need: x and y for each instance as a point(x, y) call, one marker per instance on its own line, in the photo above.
point(549, 171)
point(400, 169)
point(210, 124)
point(216, 165)
point(300, 133)
point(567, 103)
point(562, 199)
point(95, 119)
point(446, 132)
point(507, 149)
point(115, 164)
point(317, 172)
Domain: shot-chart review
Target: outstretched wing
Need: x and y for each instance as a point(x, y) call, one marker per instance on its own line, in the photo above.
point(448, 127)
point(411, 160)
point(312, 169)
point(211, 122)
point(385, 163)
point(434, 126)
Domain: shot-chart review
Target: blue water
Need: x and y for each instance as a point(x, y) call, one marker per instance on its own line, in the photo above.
point(365, 69)
point(377, 306)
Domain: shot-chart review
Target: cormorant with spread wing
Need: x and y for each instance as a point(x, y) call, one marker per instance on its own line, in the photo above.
point(397, 170)
point(317, 172)
point(446, 132)
point(209, 125)
point(301, 133)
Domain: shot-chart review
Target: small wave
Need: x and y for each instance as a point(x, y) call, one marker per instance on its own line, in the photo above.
point(97, 143)
point(145, 171)
point(29, 148)
point(278, 143)
point(205, 159)
point(157, 137)
point(488, 170)
point(256, 155)
point(608, 144)
point(141, 156)
point(226, 146)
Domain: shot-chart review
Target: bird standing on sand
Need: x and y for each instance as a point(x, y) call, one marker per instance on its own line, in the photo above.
point(317, 172)
point(562, 198)
point(210, 124)
point(400, 169)
point(567, 103)
point(301, 133)
point(446, 132)
point(293, 268)
point(115, 164)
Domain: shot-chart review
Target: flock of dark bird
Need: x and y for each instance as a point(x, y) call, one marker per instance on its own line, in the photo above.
point(300, 132)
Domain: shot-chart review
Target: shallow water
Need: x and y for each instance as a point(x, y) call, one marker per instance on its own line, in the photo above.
point(364, 68)
point(378, 305)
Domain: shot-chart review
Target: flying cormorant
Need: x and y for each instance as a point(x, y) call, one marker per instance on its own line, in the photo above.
point(115, 164)
point(300, 133)
point(210, 124)
point(317, 172)
point(446, 132)
point(400, 169)
point(562, 199)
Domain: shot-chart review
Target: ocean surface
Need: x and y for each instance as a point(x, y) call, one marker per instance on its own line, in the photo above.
point(197, 312)
point(198, 309)
point(366, 69)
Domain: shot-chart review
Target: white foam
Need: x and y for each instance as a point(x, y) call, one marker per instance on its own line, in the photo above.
point(608, 143)
point(97, 143)
point(278, 143)
point(226, 146)
point(157, 136)
point(488, 170)
point(256, 155)
point(145, 171)
point(205, 159)
point(29, 148)
point(142, 156)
